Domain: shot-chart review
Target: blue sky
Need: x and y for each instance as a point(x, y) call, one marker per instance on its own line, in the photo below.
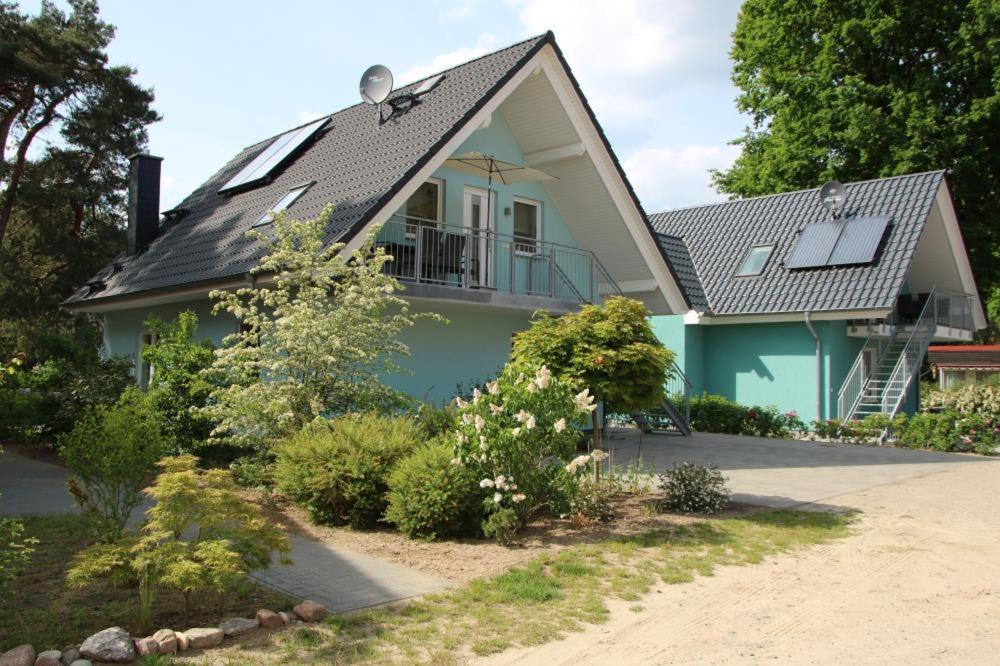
point(227, 74)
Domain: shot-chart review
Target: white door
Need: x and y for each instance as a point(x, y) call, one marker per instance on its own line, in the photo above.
point(479, 225)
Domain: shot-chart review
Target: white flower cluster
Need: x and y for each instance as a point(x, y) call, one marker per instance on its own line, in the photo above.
point(597, 455)
point(584, 401)
point(502, 483)
point(528, 420)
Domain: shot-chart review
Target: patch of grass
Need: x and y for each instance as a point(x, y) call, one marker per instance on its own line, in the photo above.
point(553, 594)
point(49, 615)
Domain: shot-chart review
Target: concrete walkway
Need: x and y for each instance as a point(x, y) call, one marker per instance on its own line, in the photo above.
point(340, 580)
point(784, 473)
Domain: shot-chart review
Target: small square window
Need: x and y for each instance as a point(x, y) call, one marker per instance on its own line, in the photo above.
point(284, 202)
point(755, 260)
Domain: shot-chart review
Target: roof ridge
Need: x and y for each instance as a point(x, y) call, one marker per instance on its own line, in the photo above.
point(791, 192)
point(396, 90)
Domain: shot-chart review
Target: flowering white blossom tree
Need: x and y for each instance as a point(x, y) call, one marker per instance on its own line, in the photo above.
point(518, 436)
point(316, 332)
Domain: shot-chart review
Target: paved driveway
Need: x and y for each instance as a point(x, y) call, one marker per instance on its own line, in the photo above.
point(783, 473)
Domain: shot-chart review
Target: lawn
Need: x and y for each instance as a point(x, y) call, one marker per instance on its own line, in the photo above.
point(541, 600)
point(45, 613)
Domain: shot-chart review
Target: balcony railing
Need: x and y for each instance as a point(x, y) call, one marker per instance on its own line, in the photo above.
point(426, 251)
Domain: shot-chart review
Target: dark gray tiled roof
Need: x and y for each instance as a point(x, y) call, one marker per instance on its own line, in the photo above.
point(718, 237)
point(355, 163)
point(687, 274)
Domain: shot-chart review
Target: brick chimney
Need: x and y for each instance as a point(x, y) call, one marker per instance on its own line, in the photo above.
point(143, 201)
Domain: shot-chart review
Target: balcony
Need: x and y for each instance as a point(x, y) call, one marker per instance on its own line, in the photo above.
point(471, 264)
point(950, 311)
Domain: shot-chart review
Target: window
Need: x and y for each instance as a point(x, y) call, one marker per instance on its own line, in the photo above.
point(283, 203)
point(424, 205)
point(755, 260)
point(527, 225)
point(145, 369)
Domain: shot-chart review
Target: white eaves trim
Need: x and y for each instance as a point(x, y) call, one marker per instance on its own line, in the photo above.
point(699, 318)
point(959, 253)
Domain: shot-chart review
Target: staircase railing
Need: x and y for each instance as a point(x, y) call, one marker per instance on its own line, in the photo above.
point(911, 357)
point(857, 381)
point(677, 389)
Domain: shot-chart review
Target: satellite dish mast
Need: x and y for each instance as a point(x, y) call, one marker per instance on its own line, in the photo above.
point(376, 84)
point(833, 196)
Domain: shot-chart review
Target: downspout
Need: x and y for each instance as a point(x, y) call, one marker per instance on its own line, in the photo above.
point(819, 367)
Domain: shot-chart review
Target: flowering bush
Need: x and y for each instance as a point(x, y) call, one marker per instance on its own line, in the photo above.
point(714, 413)
point(690, 488)
point(982, 399)
point(518, 436)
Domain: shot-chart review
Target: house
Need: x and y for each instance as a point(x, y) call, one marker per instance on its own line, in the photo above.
point(559, 227)
point(825, 316)
point(964, 364)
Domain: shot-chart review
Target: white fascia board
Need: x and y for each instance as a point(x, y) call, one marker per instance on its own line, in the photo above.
point(484, 115)
point(958, 252)
point(828, 315)
point(612, 179)
point(636, 286)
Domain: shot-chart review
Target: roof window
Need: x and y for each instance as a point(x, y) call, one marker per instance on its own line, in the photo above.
point(284, 202)
point(755, 260)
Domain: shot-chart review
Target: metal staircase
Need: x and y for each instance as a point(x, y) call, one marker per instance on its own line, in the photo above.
point(674, 412)
point(881, 389)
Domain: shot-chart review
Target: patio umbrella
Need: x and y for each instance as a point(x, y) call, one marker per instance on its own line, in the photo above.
point(507, 172)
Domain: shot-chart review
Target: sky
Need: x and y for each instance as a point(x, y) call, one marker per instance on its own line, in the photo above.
point(229, 73)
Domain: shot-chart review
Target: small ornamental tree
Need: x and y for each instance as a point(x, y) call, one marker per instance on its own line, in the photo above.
point(518, 438)
point(315, 335)
point(178, 386)
point(200, 536)
point(609, 348)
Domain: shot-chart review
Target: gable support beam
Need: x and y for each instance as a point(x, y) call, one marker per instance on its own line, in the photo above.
point(556, 154)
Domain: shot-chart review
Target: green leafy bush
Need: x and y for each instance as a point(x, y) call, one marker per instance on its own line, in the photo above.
point(714, 413)
point(339, 469)
point(981, 399)
point(110, 454)
point(591, 501)
point(431, 497)
point(434, 421)
point(690, 488)
point(201, 535)
point(179, 386)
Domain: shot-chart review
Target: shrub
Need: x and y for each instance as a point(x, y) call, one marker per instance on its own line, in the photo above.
point(690, 488)
point(930, 431)
point(110, 454)
point(201, 535)
point(254, 471)
point(434, 421)
point(179, 385)
point(431, 497)
point(592, 502)
point(981, 399)
point(517, 438)
point(713, 413)
point(828, 429)
point(339, 469)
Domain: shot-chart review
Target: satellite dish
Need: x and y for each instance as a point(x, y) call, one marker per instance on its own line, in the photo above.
point(833, 196)
point(376, 84)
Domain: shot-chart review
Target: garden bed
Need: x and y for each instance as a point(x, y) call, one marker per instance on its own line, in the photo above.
point(462, 560)
point(46, 613)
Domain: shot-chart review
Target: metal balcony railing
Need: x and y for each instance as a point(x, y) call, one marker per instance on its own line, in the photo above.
point(427, 251)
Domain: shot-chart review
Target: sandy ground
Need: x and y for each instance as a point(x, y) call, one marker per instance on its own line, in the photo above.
point(919, 582)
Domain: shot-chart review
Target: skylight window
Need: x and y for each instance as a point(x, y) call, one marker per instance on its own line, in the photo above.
point(283, 203)
point(273, 156)
point(428, 85)
point(755, 260)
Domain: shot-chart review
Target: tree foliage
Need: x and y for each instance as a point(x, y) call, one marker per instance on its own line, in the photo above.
point(859, 89)
point(179, 385)
point(314, 344)
point(68, 122)
point(200, 536)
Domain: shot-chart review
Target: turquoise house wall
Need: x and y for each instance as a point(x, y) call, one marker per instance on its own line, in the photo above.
point(763, 364)
point(123, 328)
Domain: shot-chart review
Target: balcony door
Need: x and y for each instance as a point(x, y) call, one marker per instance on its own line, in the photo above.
point(478, 223)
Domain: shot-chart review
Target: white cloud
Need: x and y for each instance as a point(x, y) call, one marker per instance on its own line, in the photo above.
point(484, 44)
point(666, 178)
point(459, 11)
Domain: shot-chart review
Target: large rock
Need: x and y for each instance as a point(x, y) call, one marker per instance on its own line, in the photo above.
point(204, 637)
point(113, 645)
point(166, 641)
point(182, 642)
point(146, 646)
point(70, 655)
point(288, 618)
point(22, 655)
point(310, 611)
point(49, 658)
point(238, 626)
point(268, 619)
point(80, 662)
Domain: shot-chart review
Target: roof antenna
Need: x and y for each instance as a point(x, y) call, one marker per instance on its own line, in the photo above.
point(833, 196)
point(376, 84)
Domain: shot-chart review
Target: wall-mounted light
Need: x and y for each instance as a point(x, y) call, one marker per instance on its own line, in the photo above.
point(506, 211)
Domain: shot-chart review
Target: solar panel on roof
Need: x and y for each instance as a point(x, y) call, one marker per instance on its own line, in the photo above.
point(859, 241)
point(428, 85)
point(271, 157)
point(815, 245)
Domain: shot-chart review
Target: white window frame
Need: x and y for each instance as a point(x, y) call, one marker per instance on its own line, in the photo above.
point(538, 227)
point(410, 233)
